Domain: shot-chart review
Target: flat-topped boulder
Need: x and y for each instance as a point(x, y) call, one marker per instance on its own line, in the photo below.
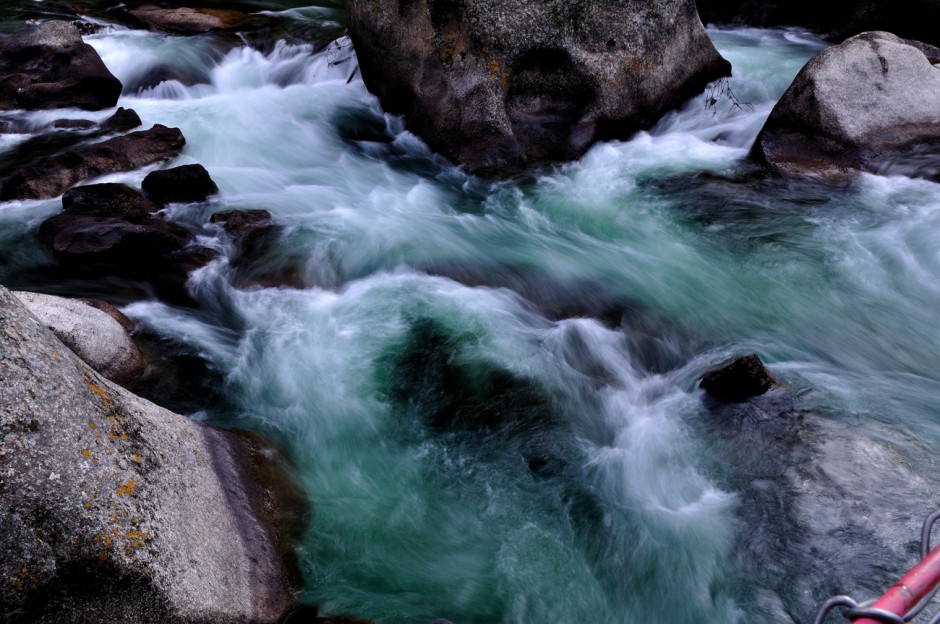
point(866, 104)
point(497, 84)
point(117, 510)
point(50, 66)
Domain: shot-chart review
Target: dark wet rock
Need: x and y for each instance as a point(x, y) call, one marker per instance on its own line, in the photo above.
point(861, 105)
point(61, 139)
point(738, 379)
point(188, 19)
point(915, 19)
point(51, 176)
point(240, 224)
point(259, 258)
point(108, 200)
point(110, 229)
point(116, 510)
point(73, 124)
point(49, 66)
point(185, 184)
point(94, 335)
point(493, 84)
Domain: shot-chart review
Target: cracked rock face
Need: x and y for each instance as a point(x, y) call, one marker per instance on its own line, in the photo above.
point(116, 510)
point(499, 84)
point(871, 103)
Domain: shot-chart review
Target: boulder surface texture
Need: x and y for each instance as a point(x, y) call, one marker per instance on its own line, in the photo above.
point(859, 105)
point(49, 66)
point(92, 334)
point(116, 510)
point(497, 84)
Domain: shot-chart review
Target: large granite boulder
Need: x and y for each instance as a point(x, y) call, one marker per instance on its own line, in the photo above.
point(53, 175)
point(49, 66)
point(915, 19)
point(116, 510)
point(867, 104)
point(96, 336)
point(497, 84)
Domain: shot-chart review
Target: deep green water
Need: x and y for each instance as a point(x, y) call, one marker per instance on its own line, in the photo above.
point(488, 389)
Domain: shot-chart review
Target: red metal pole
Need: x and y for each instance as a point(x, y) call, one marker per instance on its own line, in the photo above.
point(911, 589)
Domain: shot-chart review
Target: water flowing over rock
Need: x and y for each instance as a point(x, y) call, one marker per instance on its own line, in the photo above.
point(116, 510)
point(915, 19)
point(495, 84)
point(94, 335)
point(738, 379)
point(871, 103)
point(49, 66)
point(53, 175)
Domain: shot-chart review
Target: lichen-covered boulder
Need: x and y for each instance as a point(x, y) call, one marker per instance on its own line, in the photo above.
point(116, 510)
point(96, 336)
point(867, 104)
point(497, 84)
point(49, 66)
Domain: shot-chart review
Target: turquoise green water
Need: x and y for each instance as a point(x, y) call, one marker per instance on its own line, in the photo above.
point(488, 389)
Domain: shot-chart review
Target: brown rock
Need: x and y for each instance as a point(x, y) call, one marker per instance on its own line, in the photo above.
point(52, 176)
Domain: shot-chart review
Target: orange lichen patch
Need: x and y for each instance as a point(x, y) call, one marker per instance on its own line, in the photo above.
point(103, 556)
point(129, 487)
point(86, 453)
point(136, 457)
point(92, 425)
point(56, 354)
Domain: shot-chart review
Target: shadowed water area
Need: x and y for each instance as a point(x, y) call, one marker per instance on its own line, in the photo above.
point(489, 389)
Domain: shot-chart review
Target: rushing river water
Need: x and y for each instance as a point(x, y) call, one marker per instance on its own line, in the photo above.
point(489, 389)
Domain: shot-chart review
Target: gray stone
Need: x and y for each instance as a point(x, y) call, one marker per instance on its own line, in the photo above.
point(116, 510)
point(49, 66)
point(496, 84)
point(861, 105)
point(93, 335)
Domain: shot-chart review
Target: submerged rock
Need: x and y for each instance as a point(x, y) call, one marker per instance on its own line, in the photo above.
point(52, 176)
point(185, 184)
point(494, 84)
point(738, 379)
point(49, 66)
point(96, 336)
point(116, 510)
point(861, 105)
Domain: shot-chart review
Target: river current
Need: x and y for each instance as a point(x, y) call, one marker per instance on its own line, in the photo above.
point(488, 389)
